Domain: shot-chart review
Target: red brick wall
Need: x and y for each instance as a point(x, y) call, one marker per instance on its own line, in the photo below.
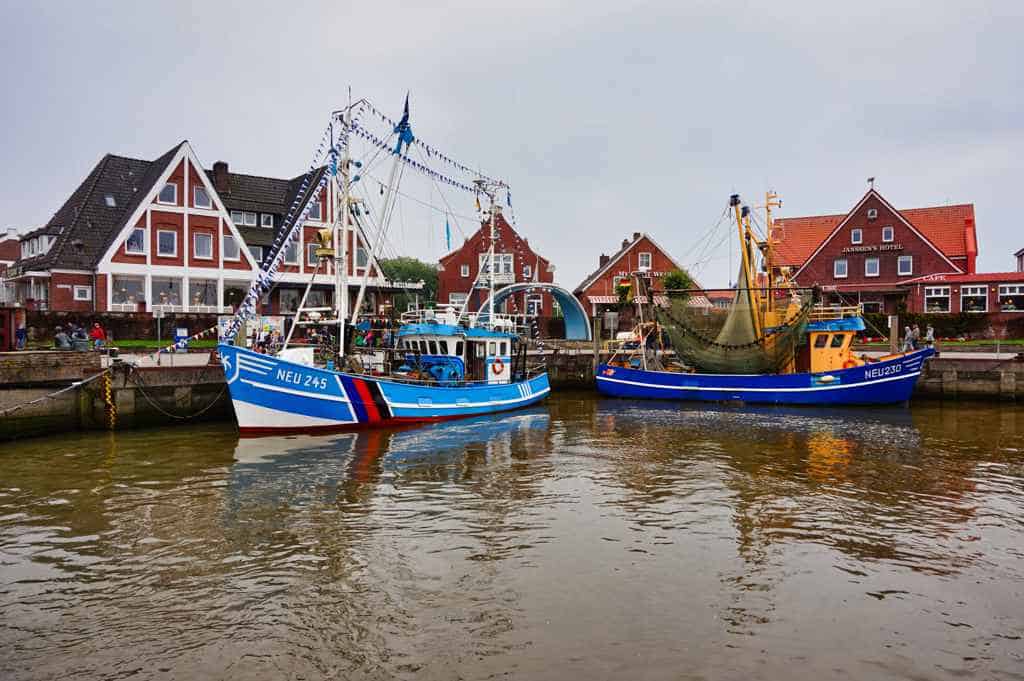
point(450, 279)
point(630, 262)
point(102, 281)
point(160, 220)
point(121, 256)
point(819, 269)
point(62, 292)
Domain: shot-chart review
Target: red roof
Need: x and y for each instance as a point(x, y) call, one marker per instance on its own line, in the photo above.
point(947, 227)
point(976, 278)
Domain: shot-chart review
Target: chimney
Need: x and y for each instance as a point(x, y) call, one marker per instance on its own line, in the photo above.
point(603, 260)
point(220, 178)
point(625, 242)
point(12, 233)
point(636, 236)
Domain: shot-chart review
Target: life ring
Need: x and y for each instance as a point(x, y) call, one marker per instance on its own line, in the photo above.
point(498, 366)
point(849, 364)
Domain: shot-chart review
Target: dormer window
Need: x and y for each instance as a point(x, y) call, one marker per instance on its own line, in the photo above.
point(267, 220)
point(110, 201)
point(201, 198)
point(168, 194)
point(856, 236)
point(887, 234)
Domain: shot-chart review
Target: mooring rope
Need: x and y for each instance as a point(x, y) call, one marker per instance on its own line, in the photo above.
point(76, 384)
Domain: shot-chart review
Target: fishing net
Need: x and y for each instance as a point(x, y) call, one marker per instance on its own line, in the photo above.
point(726, 341)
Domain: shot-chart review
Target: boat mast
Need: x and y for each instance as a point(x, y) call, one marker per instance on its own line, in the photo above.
point(771, 200)
point(742, 214)
point(341, 237)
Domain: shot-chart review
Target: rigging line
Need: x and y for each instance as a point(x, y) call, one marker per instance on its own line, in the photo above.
point(432, 206)
point(449, 206)
point(707, 234)
point(373, 223)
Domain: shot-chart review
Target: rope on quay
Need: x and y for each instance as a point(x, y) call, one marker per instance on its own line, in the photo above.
point(76, 384)
point(137, 380)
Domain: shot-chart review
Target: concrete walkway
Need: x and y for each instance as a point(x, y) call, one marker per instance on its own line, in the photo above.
point(164, 359)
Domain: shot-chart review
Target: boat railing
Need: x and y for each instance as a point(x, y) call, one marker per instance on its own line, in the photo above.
point(449, 314)
point(825, 313)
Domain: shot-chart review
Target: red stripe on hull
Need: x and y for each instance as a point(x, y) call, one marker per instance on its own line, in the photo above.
point(372, 413)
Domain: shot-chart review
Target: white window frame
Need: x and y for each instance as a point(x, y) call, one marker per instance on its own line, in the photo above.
point(263, 220)
point(640, 260)
point(464, 270)
point(85, 290)
point(160, 254)
point(856, 235)
point(535, 299)
point(1010, 290)
point(937, 292)
point(878, 266)
point(899, 265)
point(456, 298)
point(291, 253)
point(195, 197)
point(110, 201)
point(974, 291)
point(224, 248)
point(872, 213)
point(835, 268)
point(891, 231)
point(506, 263)
point(249, 218)
point(236, 217)
point(527, 271)
point(160, 194)
point(365, 257)
point(254, 257)
point(311, 258)
point(319, 210)
point(195, 245)
point(128, 240)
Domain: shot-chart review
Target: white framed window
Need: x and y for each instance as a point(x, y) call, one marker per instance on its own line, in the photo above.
point(83, 292)
point(857, 236)
point(291, 253)
point(202, 246)
point(135, 244)
point(267, 220)
point(168, 194)
point(236, 217)
point(974, 298)
point(872, 213)
point(870, 267)
point(457, 298)
point(839, 269)
point(464, 270)
point(257, 253)
point(311, 255)
point(936, 299)
point(230, 248)
point(534, 305)
point(905, 265)
point(1011, 297)
point(888, 234)
point(110, 201)
point(249, 219)
point(644, 261)
point(167, 243)
point(316, 210)
point(527, 271)
point(201, 198)
point(362, 258)
point(503, 263)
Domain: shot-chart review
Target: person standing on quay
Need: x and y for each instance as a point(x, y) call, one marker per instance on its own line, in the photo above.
point(916, 337)
point(97, 335)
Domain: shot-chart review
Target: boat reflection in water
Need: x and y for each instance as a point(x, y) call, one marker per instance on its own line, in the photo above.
point(341, 465)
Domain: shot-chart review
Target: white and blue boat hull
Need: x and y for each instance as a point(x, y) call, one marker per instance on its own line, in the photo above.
point(272, 395)
point(889, 381)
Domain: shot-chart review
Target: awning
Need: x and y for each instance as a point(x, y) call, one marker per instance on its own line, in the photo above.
point(693, 301)
point(602, 300)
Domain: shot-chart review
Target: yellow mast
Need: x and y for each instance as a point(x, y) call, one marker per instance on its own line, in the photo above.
point(771, 200)
point(742, 214)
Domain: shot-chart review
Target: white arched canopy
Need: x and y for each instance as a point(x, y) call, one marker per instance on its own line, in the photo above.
point(577, 321)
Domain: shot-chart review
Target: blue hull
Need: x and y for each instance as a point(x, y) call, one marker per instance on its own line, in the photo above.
point(272, 395)
point(887, 382)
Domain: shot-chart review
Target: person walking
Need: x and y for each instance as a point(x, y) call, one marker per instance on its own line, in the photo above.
point(98, 336)
point(61, 340)
point(908, 339)
point(929, 336)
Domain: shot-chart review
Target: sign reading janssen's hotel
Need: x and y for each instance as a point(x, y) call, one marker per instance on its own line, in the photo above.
point(872, 248)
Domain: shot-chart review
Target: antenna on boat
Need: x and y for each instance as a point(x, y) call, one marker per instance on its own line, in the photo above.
point(489, 190)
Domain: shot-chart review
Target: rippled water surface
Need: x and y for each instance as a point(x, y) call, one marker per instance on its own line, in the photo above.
point(588, 539)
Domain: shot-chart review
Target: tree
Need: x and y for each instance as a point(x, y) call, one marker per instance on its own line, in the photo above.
point(410, 269)
point(677, 283)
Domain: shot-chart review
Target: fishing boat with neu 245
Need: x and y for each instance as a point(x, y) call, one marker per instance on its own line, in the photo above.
point(445, 363)
point(777, 344)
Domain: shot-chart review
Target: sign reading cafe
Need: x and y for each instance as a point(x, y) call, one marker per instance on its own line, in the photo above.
point(872, 248)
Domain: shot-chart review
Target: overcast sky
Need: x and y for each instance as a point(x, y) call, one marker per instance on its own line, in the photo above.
point(605, 118)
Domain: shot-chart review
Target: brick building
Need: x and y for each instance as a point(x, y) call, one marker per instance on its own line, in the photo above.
point(166, 234)
point(515, 262)
point(1020, 260)
point(871, 254)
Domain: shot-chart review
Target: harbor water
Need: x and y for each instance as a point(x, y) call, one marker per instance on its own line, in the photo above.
point(584, 538)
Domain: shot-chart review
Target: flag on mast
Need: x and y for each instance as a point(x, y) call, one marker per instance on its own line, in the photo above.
point(447, 233)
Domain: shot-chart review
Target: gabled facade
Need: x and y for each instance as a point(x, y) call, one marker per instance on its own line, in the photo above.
point(640, 253)
point(515, 262)
point(168, 235)
point(1020, 260)
point(869, 254)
